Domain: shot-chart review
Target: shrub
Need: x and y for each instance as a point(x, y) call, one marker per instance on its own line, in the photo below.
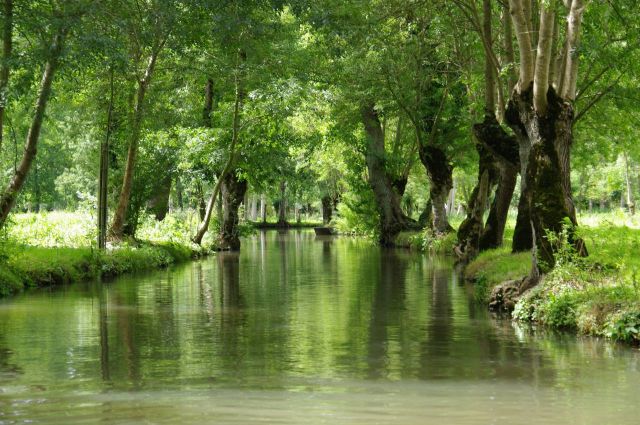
point(624, 327)
point(558, 311)
point(10, 283)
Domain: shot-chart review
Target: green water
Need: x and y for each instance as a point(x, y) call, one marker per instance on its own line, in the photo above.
point(299, 330)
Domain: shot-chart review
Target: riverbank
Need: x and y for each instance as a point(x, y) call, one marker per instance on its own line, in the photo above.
point(598, 295)
point(25, 267)
point(53, 248)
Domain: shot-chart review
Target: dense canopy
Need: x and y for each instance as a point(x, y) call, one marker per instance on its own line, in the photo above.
point(381, 116)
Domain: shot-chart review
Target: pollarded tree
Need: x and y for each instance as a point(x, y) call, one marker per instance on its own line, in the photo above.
point(541, 108)
point(498, 158)
point(548, 57)
point(352, 51)
point(541, 114)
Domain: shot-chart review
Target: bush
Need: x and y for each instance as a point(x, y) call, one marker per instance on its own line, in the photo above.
point(10, 283)
point(130, 259)
point(624, 327)
point(358, 216)
point(559, 311)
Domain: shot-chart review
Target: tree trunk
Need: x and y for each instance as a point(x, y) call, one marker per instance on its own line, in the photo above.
point(254, 208)
point(10, 193)
point(451, 202)
point(547, 184)
point(179, 195)
point(201, 204)
point(297, 208)
point(237, 110)
point(7, 48)
point(103, 177)
point(219, 208)
point(263, 208)
point(120, 215)
point(233, 190)
point(440, 173)
point(504, 156)
point(426, 217)
point(392, 219)
point(327, 209)
point(159, 203)
point(282, 205)
point(629, 192)
point(472, 228)
point(493, 233)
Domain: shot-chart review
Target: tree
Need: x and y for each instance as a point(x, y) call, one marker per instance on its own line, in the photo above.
point(148, 31)
point(61, 17)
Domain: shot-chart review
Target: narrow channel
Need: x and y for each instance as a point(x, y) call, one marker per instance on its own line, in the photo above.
point(299, 329)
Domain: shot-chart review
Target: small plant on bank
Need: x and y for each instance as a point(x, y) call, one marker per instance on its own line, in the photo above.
point(624, 327)
point(428, 241)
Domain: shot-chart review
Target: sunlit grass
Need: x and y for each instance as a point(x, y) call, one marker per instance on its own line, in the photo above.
point(79, 229)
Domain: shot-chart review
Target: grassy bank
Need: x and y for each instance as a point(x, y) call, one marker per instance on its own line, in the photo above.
point(26, 266)
point(598, 295)
point(52, 248)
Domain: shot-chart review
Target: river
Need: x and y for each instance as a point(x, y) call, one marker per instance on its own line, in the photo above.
point(299, 329)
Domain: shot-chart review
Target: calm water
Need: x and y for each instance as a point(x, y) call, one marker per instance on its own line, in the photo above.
point(295, 330)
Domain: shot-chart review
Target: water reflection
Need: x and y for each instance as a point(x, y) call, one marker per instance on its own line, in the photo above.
point(295, 313)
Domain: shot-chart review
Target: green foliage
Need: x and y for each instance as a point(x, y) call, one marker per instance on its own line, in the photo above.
point(357, 215)
point(624, 327)
point(129, 259)
point(41, 266)
point(46, 267)
point(559, 311)
point(481, 290)
point(10, 283)
point(436, 244)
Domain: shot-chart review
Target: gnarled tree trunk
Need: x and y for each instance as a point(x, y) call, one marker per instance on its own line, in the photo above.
point(547, 185)
point(503, 150)
point(327, 209)
point(493, 233)
point(392, 218)
point(440, 173)
point(233, 190)
point(472, 227)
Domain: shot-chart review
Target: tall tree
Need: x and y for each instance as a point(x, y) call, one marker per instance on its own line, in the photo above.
point(149, 31)
point(60, 17)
